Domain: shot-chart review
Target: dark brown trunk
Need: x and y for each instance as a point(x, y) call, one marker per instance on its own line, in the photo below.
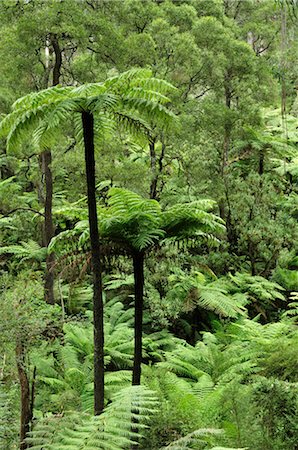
point(25, 393)
point(138, 268)
point(88, 129)
point(32, 395)
point(227, 126)
point(261, 162)
point(157, 166)
point(58, 60)
point(195, 326)
point(46, 160)
point(153, 184)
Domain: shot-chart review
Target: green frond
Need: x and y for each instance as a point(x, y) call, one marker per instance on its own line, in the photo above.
point(257, 287)
point(117, 281)
point(181, 368)
point(47, 132)
point(152, 84)
point(79, 337)
point(292, 310)
point(124, 79)
point(30, 110)
point(7, 423)
point(25, 251)
point(24, 125)
point(148, 94)
point(184, 220)
point(114, 101)
point(149, 110)
point(46, 96)
point(115, 429)
point(89, 90)
point(228, 448)
point(105, 101)
point(132, 219)
point(213, 299)
point(204, 386)
point(193, 290)
point(131, 123)
point(195, 437)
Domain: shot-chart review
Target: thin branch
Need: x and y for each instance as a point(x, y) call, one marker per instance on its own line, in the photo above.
point(21, 209)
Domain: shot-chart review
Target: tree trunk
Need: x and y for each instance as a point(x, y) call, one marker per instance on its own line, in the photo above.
point(88, 122)
point(46, 160)
point(25, 393)
point(58, 59)
point(261, 162)
point(154, 176)
point(227, 125)
point(157, 166)
point(32, 395)
point(138, 267)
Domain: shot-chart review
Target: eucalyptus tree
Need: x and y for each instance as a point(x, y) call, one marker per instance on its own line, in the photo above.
point(41, 39)
point(128, 101)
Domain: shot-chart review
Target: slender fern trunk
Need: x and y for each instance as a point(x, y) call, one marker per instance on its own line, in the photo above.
point(138, 267)
point(25, 393)
point(88, 129)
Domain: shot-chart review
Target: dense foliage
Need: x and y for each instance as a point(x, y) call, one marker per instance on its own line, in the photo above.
point(186, 262)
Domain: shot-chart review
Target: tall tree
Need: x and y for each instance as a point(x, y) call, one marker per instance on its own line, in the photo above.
point(46, 164)
point(120, 100)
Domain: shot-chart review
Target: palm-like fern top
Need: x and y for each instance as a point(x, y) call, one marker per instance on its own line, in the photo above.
point(131, 100)
point(138, 223)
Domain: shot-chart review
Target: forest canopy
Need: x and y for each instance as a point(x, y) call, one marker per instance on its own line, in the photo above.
point(148, 224)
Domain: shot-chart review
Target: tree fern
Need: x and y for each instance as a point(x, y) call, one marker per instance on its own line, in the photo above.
point(111, 431)
point(250, 351)
point(69, 376)
point(135, 224)
point(30, 250)
point(198, 439)
point(191, 220)
point(139, 223)
point(42, 113)
point(193, 290)
point(256, 287)
point(198, 365)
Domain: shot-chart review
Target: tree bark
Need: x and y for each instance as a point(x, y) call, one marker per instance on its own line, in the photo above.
point(153, 184)
point(46, 160)
point(156, 165)
point(58, 59)
point(25, 393)
point(227, 125)
point(88, 130)
point(138, 267)
point(32, 395)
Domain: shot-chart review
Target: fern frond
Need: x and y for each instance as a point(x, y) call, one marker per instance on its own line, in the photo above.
point(228, 448)
point(46, 96)
point(292, 306)
point(113, 101)
point(115, 429)
point(195, 437)
point(25, 251)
